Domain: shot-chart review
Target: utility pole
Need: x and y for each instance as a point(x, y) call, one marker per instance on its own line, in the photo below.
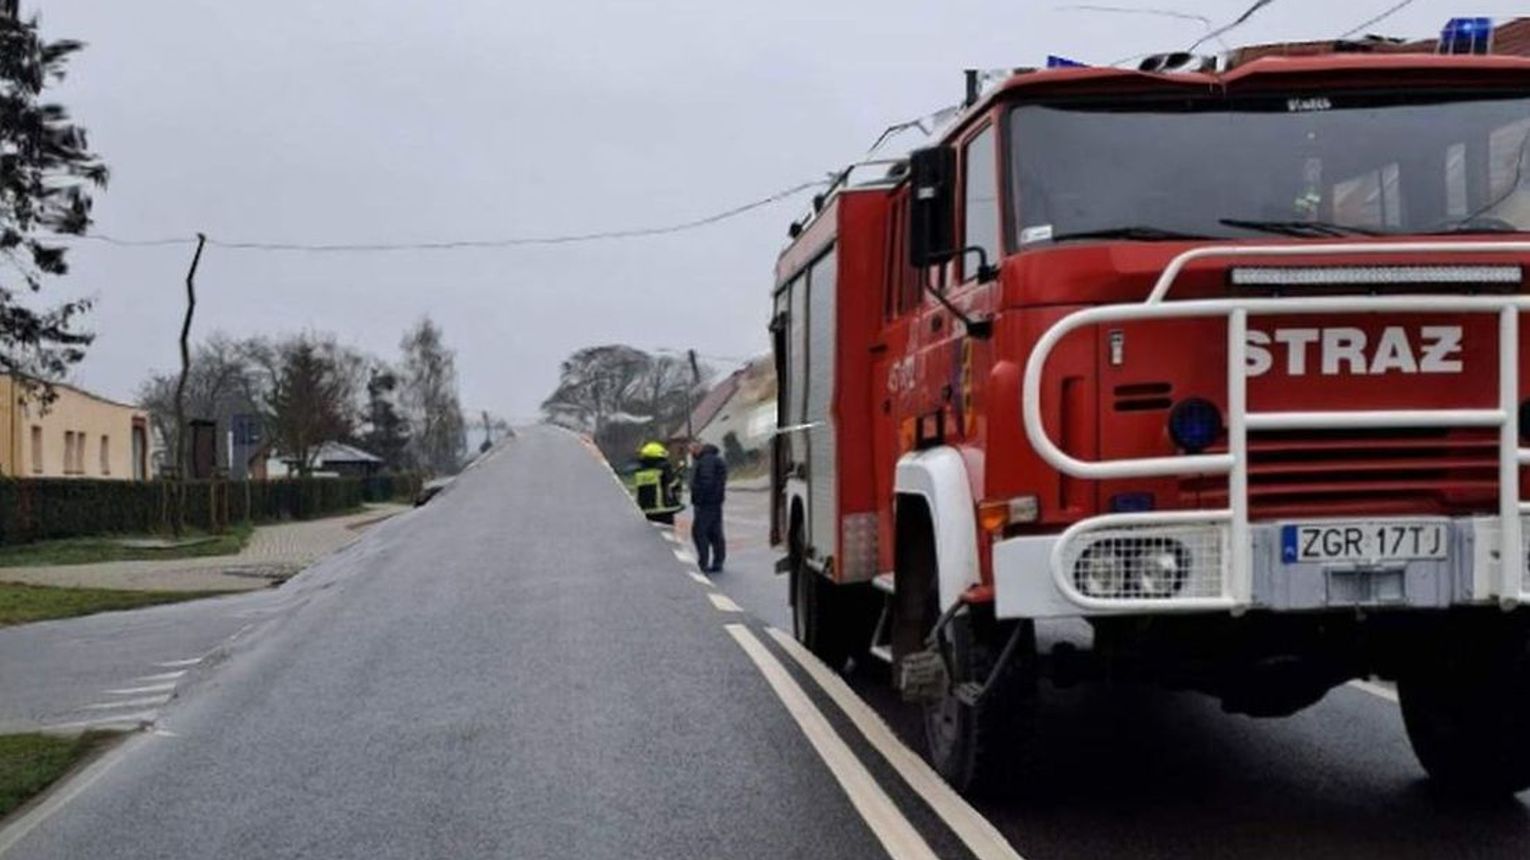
point(690, 432)
point(177, 521)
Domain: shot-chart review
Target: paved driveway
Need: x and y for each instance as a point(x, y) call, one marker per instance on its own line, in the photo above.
point(274, 552)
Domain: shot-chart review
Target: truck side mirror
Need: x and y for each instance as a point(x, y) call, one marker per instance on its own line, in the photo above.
point(932, 210)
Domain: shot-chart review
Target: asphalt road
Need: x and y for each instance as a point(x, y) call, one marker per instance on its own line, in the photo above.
point(1150, 774)
point(115, 670)
point(524, 668)
point(521, 668)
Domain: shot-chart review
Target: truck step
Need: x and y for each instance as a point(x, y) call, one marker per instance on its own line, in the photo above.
point(884, 582)
point(922, 676)
point(968, 693)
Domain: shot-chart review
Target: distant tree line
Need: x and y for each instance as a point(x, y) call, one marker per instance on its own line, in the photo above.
point(307, 389)
point(623, 396)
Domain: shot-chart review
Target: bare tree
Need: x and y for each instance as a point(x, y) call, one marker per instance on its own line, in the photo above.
point(618, 393)
point(429, 371)
point(594, 385)
point(46, 175)
point(224, 381)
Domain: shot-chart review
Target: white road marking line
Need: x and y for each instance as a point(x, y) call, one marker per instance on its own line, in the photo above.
point(166, 676)
point(1375, 689)
point(134, 691)
point(132, 721)
point(684, 556)
point(176, 664)
point(144, 702)
point(253, 613)
point(11, 836)
point(698, 577)
point(896, 834)
point(722, 602)
point(980, 837)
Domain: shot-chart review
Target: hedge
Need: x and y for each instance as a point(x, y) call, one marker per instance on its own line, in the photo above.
point(46, 508)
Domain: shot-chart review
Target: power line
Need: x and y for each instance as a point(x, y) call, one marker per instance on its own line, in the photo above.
point(462, 244)
point(1227, 28)
point(1156, 12)
point(128, 243)
point(1128, 10)
point(1377, 19)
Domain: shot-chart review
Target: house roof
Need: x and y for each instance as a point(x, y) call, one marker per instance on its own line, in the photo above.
point(715, 400)
point(754, 381)
point(83, 393)
point(339, 452)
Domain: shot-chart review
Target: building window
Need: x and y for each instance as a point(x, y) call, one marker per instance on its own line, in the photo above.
point(37, 452)
point(106, 454)
point(74, 452)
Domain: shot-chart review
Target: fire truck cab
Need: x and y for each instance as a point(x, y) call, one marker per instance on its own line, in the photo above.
point(1210, 380)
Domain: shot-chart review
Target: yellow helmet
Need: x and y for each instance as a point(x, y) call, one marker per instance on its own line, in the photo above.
point(653, 450)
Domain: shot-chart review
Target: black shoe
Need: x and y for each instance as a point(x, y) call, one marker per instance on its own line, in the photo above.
point(716, 568)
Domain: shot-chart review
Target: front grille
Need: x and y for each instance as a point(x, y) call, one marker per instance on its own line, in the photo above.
point(1380, 472)
point(1143, 396)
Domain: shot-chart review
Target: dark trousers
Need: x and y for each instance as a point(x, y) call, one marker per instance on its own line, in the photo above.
point(707, 532)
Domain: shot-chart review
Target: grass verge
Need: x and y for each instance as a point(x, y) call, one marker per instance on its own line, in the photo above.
point(20, 604)
point(89, 550)
point(30, 763)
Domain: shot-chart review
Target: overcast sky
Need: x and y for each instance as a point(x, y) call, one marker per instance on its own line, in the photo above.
point(379, 121)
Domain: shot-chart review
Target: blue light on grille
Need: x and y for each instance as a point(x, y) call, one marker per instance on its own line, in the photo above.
point(1194, 424)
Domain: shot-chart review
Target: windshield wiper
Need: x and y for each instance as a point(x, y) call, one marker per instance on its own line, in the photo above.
point(1139, 232)
point(1477, 227)
point(1302, 229)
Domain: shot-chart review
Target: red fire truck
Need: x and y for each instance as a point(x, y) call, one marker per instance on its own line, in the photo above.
point(1212, 380)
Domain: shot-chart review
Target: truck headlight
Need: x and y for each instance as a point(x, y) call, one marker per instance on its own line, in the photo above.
point(1162, 568)
point(1101, 571)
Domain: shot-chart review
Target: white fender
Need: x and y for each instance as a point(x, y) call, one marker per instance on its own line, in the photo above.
point(940, 476)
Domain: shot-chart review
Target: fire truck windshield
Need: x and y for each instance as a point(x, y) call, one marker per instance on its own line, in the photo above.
point(1313, 166)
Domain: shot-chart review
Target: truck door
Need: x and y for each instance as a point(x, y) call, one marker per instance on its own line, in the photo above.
point(780, 455)
point(948, 360)
point(891, 366)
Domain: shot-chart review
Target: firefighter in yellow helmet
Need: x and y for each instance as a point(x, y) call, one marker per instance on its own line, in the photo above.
point(655, 484)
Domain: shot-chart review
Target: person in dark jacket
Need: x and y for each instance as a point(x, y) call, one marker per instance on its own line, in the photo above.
point(709, 480)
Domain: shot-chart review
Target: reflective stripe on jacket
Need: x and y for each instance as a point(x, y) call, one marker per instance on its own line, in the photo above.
point(653, 496)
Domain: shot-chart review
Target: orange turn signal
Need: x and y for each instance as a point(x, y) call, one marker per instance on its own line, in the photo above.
point(993, 516)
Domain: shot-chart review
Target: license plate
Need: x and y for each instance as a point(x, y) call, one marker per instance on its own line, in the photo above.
point(1364, 541)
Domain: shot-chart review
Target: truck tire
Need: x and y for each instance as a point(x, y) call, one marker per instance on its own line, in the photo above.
point(813, 617)
point(983, 748)
point(812, 596)
point(1466, 714)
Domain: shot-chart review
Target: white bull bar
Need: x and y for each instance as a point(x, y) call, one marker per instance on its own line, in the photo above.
point(1235, 557)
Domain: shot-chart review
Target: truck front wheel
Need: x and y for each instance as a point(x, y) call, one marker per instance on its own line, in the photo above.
point(1466, 711)
point(980, 745)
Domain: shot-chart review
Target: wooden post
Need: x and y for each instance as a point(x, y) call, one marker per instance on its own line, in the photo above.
point(178, 520)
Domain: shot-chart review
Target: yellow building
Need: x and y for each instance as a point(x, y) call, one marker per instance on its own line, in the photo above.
point(78, 435)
